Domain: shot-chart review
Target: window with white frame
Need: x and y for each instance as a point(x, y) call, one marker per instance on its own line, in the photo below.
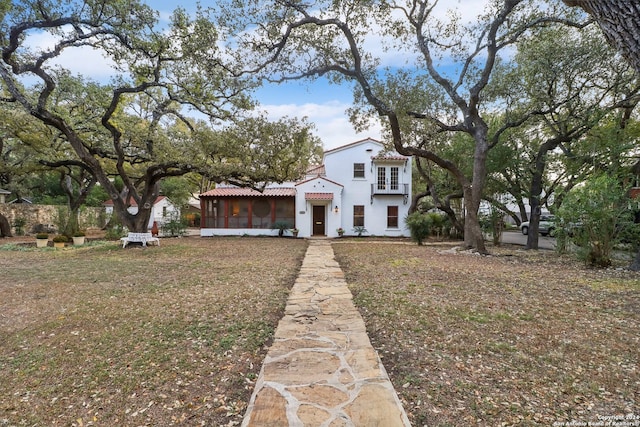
point(382, 178)
point(395, 173)
point(358, 170)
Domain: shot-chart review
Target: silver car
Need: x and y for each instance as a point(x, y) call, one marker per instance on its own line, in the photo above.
point(546, 227)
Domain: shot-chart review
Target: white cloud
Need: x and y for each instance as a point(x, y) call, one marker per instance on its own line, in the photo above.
point(332, 125)
point(85, 60)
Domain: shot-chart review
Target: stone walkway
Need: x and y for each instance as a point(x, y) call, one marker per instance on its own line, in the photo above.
point(321, 369)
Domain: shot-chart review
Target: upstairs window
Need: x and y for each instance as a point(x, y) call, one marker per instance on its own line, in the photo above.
point(382, 178)
point(358, 170)
point(395, 172)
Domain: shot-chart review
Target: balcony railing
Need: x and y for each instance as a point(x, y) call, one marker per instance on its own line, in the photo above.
point(390, 190)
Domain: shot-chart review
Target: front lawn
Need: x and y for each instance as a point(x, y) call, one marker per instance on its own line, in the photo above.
point(176, 334)
point(519, 338)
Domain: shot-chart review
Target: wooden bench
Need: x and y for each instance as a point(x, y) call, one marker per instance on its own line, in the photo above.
point(143, 238)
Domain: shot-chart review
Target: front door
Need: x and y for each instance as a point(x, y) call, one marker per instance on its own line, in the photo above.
point(318, 221)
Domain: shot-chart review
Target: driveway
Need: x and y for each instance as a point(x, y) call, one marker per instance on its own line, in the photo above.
point(517, 238)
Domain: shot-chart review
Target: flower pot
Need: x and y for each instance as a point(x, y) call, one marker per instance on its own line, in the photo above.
point(78, 240)
point(41, 243)
point(58, 245)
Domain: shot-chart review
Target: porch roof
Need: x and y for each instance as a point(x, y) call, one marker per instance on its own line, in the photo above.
point(249, 192)
point(318, 196)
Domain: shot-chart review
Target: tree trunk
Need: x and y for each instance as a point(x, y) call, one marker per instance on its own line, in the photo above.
point(535, 210)
point(473, 237)
point(620, 23)
point(5, 227)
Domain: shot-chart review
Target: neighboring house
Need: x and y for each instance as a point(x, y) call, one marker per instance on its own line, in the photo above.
point(161, 212)
point(192, 213)
point(3, 195)
point(358, 185)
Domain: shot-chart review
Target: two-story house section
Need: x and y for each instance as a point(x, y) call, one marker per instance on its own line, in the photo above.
point(358, 185)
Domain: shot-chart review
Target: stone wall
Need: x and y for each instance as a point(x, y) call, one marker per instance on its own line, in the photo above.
point(46, 217)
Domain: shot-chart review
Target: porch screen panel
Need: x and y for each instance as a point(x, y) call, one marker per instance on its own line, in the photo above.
point(286, 211)
point(358, 215)
point(238, 213)
point(211, 216)
point(261, 213)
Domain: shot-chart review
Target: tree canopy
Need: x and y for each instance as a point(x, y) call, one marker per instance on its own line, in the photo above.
point(170, 92)
point(436, 84)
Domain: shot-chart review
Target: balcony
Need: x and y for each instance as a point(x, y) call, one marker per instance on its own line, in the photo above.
point(380, 189)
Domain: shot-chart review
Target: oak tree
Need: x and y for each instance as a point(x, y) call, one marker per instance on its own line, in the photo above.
point(438, 77)
point(620, 23)
point(170, 88)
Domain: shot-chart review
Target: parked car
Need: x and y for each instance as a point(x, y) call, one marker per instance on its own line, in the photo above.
point(546, 227)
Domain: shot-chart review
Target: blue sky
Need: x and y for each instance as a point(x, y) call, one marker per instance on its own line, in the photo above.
point(322, 103)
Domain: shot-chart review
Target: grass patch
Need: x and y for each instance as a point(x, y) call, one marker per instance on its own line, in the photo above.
point(158, 336)
point(527, 339)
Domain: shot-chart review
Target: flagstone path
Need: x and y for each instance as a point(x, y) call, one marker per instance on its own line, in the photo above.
point(321, 369)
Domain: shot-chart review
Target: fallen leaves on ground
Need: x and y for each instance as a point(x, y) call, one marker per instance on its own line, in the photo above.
point(169, 335)
point(517, 338)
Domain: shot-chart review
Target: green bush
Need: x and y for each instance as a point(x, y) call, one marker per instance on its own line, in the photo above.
point(18, 225)
point(358, 229)
point(419, 226)
point(281, 226)
point(437, 223)
point(492, 223)
point(115, 231)
point(595, 217)
point(176, 226)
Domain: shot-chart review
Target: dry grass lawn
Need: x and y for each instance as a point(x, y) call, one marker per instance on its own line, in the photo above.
point(176, 335)
point(107, 336)
point(520, 338)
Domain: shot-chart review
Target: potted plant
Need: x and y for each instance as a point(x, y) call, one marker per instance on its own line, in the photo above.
point(340, 231)
point(78, 238)
point(59, 241)
point(295, 232)
point(42, 239)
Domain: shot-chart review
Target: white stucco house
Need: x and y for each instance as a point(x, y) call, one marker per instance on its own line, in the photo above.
point(162, 211)
point(357, 185)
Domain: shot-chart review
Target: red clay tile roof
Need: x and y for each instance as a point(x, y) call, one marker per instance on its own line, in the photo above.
point(387, 157)
point(318, 196)
point(249, 192)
